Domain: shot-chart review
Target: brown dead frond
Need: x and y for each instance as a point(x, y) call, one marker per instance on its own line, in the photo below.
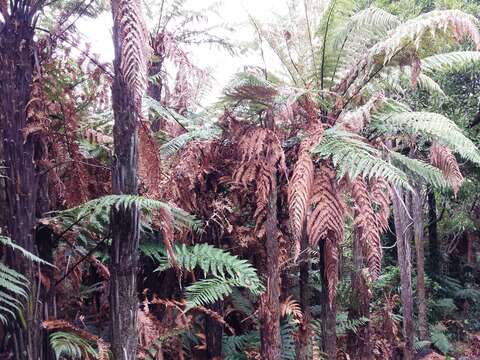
point(442, 158)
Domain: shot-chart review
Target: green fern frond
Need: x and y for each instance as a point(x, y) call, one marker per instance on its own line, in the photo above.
point(228, 271)
point(4, 240)
point(13, 286)
point(420, 170)
point(176, 144)
point(100, 209)
point(353, 156)
point(233, 347)
point(344, 324)
point(71, 346)
point(439, 339)
point(434, 126)
point(456, 60)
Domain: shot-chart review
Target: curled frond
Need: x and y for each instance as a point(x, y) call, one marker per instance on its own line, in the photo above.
point(442, 158)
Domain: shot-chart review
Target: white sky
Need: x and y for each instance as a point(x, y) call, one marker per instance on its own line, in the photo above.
point(233, 13)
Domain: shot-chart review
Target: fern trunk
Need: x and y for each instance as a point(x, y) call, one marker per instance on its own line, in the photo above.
point(433, 244)
point(404, 234)
point(125, 229)
point(270, 300)
point(16, 71)
point(359, 343)
point(329, 312)
point(418, 226)
point(304, 330)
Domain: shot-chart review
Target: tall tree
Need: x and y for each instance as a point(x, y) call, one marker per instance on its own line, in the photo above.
point(129, 37)
point(17, 61)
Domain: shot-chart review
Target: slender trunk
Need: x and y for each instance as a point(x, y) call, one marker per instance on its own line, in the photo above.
point(304, 330)
point(270, 300)
point(359, 343)
point(126, 99)
point(418, 226)
point(21, 182)
point(329, 313)
point(403, 233)
point(433, 245)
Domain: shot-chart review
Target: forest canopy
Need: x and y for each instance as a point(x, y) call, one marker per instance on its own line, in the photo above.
point(324, 206)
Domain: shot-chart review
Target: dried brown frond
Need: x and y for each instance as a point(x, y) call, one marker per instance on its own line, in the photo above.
point(442, 158)
point(290, 306)
point(355, 121)
point(149, 165)
point(380, 195)
point(366, 224)
point(300, 186)
point(330, 261)
point(327, 216)
point(131, 34)
point(342, 355)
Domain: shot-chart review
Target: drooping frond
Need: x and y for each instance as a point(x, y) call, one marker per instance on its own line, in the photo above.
point(72, 339)
point(434, 126)
point(327, 215)
point(228, 271)
point(442, 158)
point(420, 170)
point(27, 254)
point(352, 155)
point(299, 187)
point(366, 224)
point(12, 287)
point(455, 60)
point(70, 345)
point(133, 52)
point(422, 30)
point(380, 195)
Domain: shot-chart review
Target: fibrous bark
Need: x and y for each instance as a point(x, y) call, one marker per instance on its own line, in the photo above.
point(404, 234)
point(21, 181)
point(128, 88)
point(417, 214)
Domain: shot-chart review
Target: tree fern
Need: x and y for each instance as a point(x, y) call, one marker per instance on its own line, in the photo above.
point(207, 132)
point(353, 156)
point(434, 126)
point(4, 240)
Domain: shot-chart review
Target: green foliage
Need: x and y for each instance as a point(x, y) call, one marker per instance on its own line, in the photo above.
point(152, 351)
point(452, 61)
point(12, 286)
point(435, 127)
point(227, 271)
point(233, 347)
point(420, 170)
point(352, 155)
point(344, 324)
point(99, 210)
point(439, 339)
point(71, 346)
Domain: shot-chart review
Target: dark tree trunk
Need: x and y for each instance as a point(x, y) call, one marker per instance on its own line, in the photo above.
point(418, 227)
point(214, 333)
point(270, 300)
point(403, 233)
point(125, 228)
point(359, 343)
point(329, 313)
point(304, 330)
point(433, 245)
point(21, 182)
